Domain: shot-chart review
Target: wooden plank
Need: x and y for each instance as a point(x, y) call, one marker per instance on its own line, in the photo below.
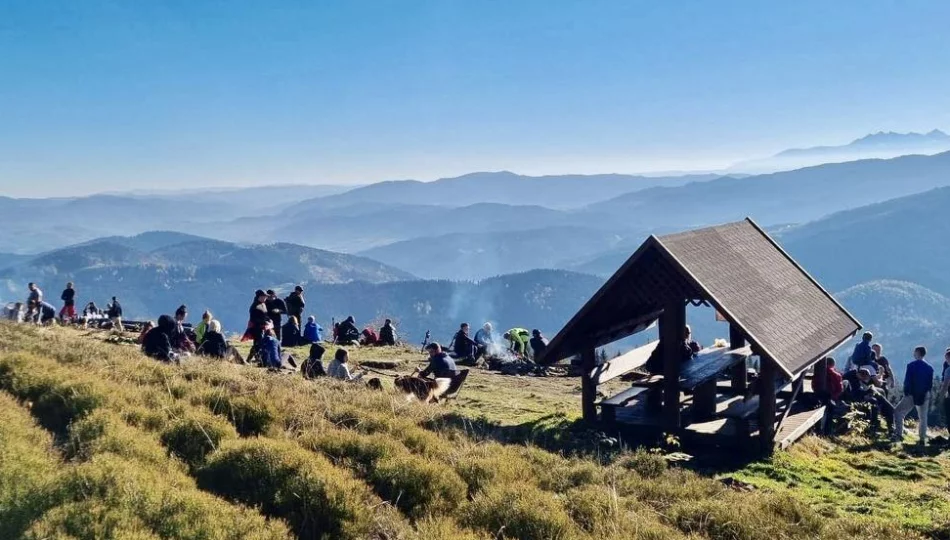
point(622, 398)
point(672, 328)
point(797, 385)
point(797, 425)
point(588, 388)
point(707, 366)
point(623, 364)
point(704, 401)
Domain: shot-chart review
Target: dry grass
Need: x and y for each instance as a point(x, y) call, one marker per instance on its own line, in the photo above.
point(122, 446)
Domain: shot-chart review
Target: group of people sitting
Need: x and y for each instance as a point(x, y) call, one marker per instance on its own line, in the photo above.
point(868, 380)
point(469, 350)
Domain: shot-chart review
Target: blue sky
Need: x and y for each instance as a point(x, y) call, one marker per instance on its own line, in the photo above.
point(105, 95)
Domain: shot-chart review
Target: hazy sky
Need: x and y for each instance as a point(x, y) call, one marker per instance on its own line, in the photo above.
point(105, 95)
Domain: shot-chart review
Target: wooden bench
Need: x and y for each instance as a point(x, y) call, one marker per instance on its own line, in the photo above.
point(623, 364)
point(608, 406)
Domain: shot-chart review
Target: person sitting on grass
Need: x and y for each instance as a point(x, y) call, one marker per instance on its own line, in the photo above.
point(146, 328)
point(918, 383)
point(442, 367)
point(214, 344)
point(157, 343)
point(313, 365)
point(270, 349)
point(883, 367)
point(290, 335)
point(338, 368)
point(485, 340)
point(368, 337)
point(202, 327)
point(387, 334)
point(312, 332)
point(464, 347)
point(180, 339)
point(347, 332)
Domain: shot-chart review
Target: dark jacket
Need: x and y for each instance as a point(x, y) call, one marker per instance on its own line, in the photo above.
point(463, 345)
point(115, 309)
point(347, 332)
point(918, 381)
point(275, 309)
point(157, 343)
point(387, 335)
point(442, 366)
point(258, 315)
point(655, 363)
point(69, 297)
point(862, 353)
point(47, 311)
point(290, 335)
point(214, 345)
point(294, 304)
point(538, 345)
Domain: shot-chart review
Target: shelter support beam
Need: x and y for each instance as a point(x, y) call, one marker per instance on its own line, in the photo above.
point(672, 327)
point(588, 388)
point(767, 402)
point(740, 373)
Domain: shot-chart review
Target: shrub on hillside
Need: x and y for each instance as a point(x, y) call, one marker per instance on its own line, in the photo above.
point(354, 449)
point(104, 431)
point(646, 464)
point(284, 480)
point(28, 464)
point(762, 517)
point(485, 464)
point(519, 511)
point(250, 415)
point(128, 493)
point(418, 486)
point(194, 436)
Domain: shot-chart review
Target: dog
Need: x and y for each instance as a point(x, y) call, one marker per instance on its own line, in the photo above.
point(417, 387)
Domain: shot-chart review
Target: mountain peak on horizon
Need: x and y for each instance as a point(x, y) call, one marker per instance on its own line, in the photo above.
point(893, 137)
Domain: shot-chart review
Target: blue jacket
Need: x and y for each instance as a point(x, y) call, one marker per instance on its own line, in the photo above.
point(312, 332)
point(862, 353)
point(270, 352)
point(918, 381)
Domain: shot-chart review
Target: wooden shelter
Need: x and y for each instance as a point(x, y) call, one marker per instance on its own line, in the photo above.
point(774, 309)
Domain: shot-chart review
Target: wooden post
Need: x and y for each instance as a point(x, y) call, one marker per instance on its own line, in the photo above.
point(672, 328)
point(766, 404)
point(588, 389)
point(740, 373)
point(704, 401)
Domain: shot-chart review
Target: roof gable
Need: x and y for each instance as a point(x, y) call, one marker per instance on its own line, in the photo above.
point(736, 267)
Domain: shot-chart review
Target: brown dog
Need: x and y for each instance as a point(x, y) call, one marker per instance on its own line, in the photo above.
point(422, 389)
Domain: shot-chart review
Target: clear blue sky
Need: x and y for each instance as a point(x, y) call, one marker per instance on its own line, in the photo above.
point(104, 95)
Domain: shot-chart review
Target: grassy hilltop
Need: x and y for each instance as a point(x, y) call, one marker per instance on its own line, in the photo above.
point(97, 441)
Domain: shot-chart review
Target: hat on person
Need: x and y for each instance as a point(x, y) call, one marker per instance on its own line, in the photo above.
point(536, 332)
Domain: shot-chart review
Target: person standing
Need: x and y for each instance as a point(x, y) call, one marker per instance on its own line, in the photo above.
point(538, 344)
point(295, 304)
point(918, 382)
point(884, 367)
point(945, 387)
point(68, 313)
point(276, 309)
point(257, 323)
point(115, 314)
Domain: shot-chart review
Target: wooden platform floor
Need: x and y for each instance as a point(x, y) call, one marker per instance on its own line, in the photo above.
point(719, 430)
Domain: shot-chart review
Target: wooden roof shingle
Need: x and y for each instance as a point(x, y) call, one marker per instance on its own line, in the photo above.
point(738, 269)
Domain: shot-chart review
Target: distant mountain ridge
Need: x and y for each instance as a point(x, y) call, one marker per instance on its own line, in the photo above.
point(880, 145)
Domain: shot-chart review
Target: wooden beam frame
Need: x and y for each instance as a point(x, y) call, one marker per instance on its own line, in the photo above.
point(740, 373)
point(588, 388)
point(766, 384)
point(796, 388)
point(672, 326)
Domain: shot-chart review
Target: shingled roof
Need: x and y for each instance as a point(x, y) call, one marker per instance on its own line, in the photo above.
point(738, 269)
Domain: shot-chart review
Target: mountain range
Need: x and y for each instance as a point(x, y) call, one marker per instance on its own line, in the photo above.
point(878, 145)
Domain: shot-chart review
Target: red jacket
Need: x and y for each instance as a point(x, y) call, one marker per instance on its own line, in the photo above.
point(834, 381)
